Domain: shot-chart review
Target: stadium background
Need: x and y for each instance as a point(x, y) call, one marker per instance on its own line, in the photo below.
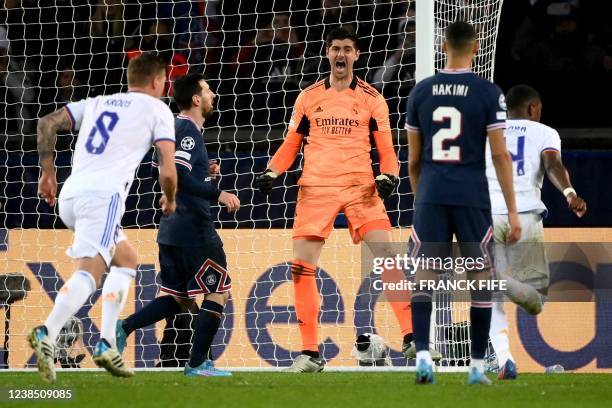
point(50, 55)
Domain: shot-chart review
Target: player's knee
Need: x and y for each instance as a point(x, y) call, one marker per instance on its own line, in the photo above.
point(218, 298)
point(187, 305)
point(125, 255)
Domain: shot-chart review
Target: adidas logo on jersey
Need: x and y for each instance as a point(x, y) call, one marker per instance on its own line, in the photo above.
point(318, 110)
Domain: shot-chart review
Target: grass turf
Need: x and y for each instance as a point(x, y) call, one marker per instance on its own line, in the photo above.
point(172, 389)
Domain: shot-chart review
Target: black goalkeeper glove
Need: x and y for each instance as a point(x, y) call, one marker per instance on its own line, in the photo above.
point(265, 180)
point(385, 184)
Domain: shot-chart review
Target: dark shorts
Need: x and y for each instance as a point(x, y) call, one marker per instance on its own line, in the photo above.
point(434, 226)
point(190, 271)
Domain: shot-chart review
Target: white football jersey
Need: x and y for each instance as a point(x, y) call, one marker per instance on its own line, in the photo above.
point(115, 133)
point(526, 140)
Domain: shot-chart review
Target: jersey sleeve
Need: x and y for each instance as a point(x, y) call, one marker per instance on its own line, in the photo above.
point(76, 111)
point(551, 141)
point(412, 115)
point(299, 126)
point(188, 148)
point(381, 131)
point(496, 109)
point(163, 126)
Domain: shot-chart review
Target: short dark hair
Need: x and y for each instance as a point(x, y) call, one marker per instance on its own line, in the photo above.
point(460, 35)
point(520, 96)
point(341, 33)
point(145, 67)
point(184, 89)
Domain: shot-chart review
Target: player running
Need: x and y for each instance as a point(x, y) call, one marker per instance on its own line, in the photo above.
point(335, 118)
point(191, 256)
point(449, 116)
point(538, 151)
point(115, 133)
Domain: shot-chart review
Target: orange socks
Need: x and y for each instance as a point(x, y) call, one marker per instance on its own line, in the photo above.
point(306, 302)
point(399, 300)
point(403, 313)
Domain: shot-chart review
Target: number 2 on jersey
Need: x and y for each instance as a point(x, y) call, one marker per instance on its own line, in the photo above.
point(102, 128)
point(439, 152)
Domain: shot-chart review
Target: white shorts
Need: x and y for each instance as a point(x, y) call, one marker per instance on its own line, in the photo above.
point(96, 222)
point(527, 258)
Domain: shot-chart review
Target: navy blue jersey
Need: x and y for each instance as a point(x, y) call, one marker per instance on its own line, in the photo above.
point(453, 110)
point(192, 224)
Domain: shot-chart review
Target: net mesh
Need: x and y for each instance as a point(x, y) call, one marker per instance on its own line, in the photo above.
point(256, 55)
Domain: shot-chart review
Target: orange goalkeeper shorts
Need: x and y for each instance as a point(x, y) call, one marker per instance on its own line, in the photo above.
point(318, 206)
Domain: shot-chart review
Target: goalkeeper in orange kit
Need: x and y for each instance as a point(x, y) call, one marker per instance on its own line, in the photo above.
point(334, 119)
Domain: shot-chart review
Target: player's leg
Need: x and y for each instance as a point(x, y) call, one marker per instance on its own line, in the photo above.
point(474, 230)
point(498, 333)
point(206, 326)
point(315, 212)
point(369, 222)
point(85, 216)
point(209, 276)
point(430, 238)
point(527, 276)
point(114, 295)
point(172, 300)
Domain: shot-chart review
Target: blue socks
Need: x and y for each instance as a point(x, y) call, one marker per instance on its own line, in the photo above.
point(207, 324)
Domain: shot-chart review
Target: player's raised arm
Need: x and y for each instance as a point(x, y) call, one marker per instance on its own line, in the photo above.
point(46, 130)
point(287, 152)
point(559, 176)
point(503, 168)
point(381, 130)
point(167, 175)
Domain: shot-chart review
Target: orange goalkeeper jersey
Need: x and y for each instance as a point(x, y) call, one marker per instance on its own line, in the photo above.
point(335, 128)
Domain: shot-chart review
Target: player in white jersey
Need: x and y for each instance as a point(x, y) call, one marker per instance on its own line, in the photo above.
point(535, 150)
point(115, 133)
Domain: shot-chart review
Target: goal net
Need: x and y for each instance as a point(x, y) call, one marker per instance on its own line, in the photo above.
point(256, 55)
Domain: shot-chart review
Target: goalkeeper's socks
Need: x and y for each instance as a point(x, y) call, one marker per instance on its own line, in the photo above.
point(70, 298)
point(158, 309)
point(480, 318)
point(207, 324)
point(114, 295)
point(421, 319)
point(499, 334)
point(403, 313)
point(306, 302)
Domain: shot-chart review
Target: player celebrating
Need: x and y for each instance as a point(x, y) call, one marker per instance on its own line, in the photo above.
point(191, 256)
point(116, 131)
point(538, 150)
point(335, 118)
point(448, 119)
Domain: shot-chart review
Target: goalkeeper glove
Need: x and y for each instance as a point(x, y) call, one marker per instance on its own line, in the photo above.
point(385, 184)
point(265, 180)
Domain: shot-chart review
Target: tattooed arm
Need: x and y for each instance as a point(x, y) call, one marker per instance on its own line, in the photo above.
point(47, 129)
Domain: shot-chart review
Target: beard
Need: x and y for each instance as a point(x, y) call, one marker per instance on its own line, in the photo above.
point(207, 112)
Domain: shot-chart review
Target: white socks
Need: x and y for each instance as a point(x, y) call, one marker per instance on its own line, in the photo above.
point(499, 334)
point(114, 295)
point(71, 297)
point(424, 355)
point(478, 364)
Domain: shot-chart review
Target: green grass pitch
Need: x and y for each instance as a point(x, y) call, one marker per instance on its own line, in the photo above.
point(336, 389)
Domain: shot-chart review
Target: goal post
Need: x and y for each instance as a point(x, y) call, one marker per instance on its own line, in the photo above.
point(257, 55)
